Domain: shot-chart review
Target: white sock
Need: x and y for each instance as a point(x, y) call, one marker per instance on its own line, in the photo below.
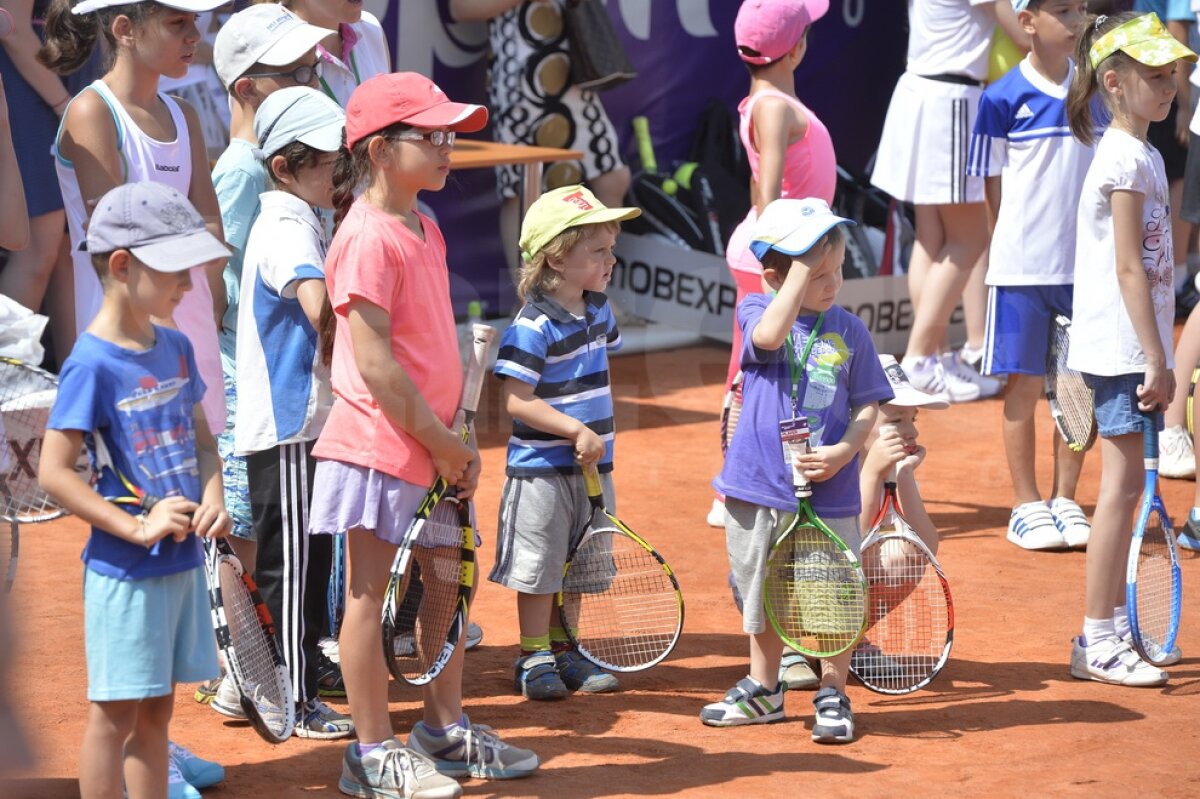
point(1097, 630)
point(1121, 620)
point(1195, 514)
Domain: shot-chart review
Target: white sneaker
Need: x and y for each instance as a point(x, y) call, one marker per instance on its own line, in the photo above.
point(925, 374)
point(1112, 660)
point(1176, 457)
point(716, 514)
point(1155, 651)
point(1031, 526)
point(972, 357)
point(1071, 521)
point(331, 649)
point(228, 701)
point(963, 381)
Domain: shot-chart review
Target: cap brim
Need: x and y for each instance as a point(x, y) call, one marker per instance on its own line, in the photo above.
point(797, 243)
point(602, 215)
point(327, 138)
point(911, 398)
point(181, 252)
point(294, 44)
point(458, 117)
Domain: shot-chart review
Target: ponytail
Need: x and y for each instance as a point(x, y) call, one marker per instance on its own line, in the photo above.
point(71, 37)
point(1085, 83)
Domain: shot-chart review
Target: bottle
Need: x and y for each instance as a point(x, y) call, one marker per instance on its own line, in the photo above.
point(466, 332)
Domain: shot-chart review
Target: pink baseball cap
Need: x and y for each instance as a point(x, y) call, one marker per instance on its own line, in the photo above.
point(772, 27)
point(409, 98)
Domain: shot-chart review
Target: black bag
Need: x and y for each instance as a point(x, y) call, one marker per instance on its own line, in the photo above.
point(719, 183)
point(598, 62)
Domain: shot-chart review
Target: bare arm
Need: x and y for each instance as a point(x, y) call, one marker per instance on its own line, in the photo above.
point(1006, 19)
point(991, 195)
point(521, 404)
point(1183, 84)
point(204, 197)
point(479, 10)
point(14, 215)
point(772, 127)
point(22, 46)
point(312, 295)
point(210, 519)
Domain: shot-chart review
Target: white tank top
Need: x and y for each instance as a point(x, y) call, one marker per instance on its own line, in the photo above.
point(170, 163)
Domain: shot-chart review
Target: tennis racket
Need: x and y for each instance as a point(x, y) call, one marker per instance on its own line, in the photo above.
point(1071, 402)
point(428, 594)
point(731, 411)
point(815, 590)
point(1153, 584)
point(910, 614)
point(1191, 424)
point(337, 585)
point(620, 603)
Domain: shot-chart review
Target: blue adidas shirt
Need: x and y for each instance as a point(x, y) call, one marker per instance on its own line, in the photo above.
point(566, 358)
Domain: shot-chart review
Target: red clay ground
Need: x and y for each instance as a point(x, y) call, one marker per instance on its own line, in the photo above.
point(1005, 718)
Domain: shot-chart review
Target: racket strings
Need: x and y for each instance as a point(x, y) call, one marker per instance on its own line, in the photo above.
point(258, 670)
point(26, 397)
point(619, 602)
point(1155, 586)
point(1072, 397)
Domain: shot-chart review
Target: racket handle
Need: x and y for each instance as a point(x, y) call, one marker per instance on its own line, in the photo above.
point(641, 134)
point(1150, 439)
point(894, 472)
point(482, 337)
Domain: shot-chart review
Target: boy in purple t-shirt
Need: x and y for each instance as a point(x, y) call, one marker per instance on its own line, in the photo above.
point(837, 390)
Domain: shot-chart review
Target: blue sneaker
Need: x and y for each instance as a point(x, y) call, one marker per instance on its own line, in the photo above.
point(580, 674)
point(535, 677)
point(195, 771)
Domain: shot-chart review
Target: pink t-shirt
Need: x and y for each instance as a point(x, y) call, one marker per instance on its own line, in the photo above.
point(374, 257)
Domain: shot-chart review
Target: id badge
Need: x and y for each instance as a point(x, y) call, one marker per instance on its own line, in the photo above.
point(794, 435)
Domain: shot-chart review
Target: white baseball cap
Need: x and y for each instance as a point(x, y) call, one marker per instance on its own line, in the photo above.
point(194, 6)
point(793, 226)
point(299, 113)
point(266, 33)
point(906, 395)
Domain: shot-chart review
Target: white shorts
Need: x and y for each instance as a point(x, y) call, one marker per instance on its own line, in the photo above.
point(922, 156)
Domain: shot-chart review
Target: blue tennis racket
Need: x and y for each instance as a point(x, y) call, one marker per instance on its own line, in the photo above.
point(1153, 584)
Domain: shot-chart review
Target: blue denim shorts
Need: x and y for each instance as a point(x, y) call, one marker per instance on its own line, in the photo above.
point(1116, 401)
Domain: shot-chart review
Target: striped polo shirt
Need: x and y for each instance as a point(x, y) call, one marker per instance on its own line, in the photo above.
point(566, 358)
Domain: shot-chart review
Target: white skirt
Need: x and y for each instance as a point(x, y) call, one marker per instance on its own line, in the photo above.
point(922, 156)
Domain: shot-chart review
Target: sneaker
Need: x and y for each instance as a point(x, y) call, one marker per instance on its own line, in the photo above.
point(228, 700)
point(795, 674)
point(834, 722)
point(580, 674)
point(472, 750)
point(195, 771)
point(1113, 661)
point(1032, 526)
point(206, 691)
point(963, 383)
point(1176, 456)
point(329, 676)
point(1071, 522)
point(315, 719)
point(748, 702)
point(971, 357)
point(1189, 539)
point(1171, 659)
point(869, 664)
point(474, 635)
point(535, 676)
point(393, 771)
point(177, 786)
point(716, 514)
point(925, 374)
point(331, 649)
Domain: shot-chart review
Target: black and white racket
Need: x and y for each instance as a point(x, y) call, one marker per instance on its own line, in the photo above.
point(1070, 399)
point(731, 411)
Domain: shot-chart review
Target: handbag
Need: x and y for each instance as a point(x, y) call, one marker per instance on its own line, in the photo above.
point(598, 61)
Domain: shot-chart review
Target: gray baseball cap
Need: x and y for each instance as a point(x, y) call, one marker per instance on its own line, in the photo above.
point(266, 33)
point(154, 222)
point(301, 114)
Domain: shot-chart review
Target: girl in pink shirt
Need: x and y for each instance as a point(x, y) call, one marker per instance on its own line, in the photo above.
point(397, 383)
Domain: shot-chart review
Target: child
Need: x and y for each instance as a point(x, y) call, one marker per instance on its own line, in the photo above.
point(1124, 307)
point(278, 361)
point(1033, 169)
point(837, 391)
point(132, 388)
point(557, 391)
point(397, 383)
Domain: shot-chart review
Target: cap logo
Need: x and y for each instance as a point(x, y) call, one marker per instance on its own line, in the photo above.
point(578, 200)
point(282, 19)
point(177, 217)
point(895, 374)
point(807, 210)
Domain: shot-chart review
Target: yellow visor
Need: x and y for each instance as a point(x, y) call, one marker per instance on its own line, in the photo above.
point(1144, 39)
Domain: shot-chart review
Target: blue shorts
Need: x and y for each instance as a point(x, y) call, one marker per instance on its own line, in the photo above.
point(1018, 327)
point(1116, 401)
point(144, 635)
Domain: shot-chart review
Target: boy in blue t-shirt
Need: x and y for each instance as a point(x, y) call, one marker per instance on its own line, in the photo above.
point(1033, 169)
point(837, 391)
point(132, 391)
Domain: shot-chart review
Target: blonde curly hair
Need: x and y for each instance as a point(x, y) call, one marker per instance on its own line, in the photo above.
point(536, 276)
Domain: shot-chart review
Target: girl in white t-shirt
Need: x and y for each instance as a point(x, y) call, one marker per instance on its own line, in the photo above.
point(1124, 307)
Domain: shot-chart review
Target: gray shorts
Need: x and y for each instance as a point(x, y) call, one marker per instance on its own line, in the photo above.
point(541, 519)
point(750, 530)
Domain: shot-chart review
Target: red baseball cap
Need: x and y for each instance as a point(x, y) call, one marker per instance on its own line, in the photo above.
point(772, 27)
point(410, 98)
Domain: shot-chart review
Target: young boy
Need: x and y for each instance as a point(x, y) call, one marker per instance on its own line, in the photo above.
point(1033, 169)
point(554, 363)
point(837, 391)
point(132, 388)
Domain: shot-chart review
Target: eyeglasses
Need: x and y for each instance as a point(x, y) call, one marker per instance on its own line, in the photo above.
point(303, 74)
point(437, 138)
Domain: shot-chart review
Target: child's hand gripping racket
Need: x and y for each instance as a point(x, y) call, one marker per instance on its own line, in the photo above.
point(428, 594)
point(1153, 583)
point(815, 591)
point(620, 602)
point(910, 614)
point(1071, 402)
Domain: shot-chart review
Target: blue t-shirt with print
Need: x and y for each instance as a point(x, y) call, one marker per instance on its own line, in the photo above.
point(140, 404)
point(843, 372)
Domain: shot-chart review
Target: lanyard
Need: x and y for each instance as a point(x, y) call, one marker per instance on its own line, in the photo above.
point(796, 368)
point(353, 68)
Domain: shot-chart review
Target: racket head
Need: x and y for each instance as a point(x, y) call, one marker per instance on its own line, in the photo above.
point(1153, 583)
point(731, 411)
point(246, 635)
point(27, 394)
point(620, 603)
point(815, 591)
point(428, 596)
point(1071, 402)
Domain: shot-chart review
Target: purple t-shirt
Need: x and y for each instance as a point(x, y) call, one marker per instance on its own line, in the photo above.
point(843, 372)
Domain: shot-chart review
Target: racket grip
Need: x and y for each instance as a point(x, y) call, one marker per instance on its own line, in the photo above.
point(1150, 438)
point(482, 337)
point(641, 134)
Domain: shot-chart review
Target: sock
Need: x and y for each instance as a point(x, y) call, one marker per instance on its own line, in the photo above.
point(536, 643)
point(559, 642)
point(441, 732)
point(1121, 620)
point(364, 748)
point(1195, 515)
point(1097, 630)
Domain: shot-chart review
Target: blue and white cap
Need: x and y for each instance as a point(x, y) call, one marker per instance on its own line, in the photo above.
point(301, 114)
point(793, 226)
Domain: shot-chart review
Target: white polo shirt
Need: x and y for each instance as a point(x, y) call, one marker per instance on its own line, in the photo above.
point(367, 58)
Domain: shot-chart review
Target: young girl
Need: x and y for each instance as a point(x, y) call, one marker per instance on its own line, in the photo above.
point(278, 360)
point(397, 383)
point(121, 128)
point(1124, 305)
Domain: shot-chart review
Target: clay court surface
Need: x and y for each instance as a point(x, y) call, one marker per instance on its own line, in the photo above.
point(1004, 719)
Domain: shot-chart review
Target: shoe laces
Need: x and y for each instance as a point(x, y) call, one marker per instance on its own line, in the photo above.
point(483, 745)
point(404, 766)
point(177, 753)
